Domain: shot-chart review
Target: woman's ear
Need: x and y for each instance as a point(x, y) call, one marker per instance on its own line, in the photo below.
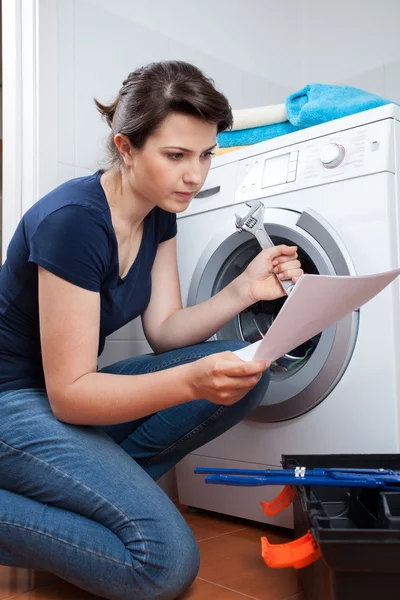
point(125, 148)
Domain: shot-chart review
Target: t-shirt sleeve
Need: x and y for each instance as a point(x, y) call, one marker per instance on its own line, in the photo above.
point(73, 243)
point(168, 229)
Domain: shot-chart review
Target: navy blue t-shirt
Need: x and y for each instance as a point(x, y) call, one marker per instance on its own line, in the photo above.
point(70, 233)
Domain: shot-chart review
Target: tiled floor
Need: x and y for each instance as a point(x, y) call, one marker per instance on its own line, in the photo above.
point(231, 567)
point(231, 564)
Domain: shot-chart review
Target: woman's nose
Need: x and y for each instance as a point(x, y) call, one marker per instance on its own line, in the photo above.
point(193, 175)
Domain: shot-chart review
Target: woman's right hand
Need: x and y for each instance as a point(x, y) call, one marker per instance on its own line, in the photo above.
point(224, 378)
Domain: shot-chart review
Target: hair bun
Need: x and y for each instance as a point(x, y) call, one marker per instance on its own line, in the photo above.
point(107, 111)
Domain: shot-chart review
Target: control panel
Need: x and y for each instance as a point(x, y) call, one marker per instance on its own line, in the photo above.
point(354, 152)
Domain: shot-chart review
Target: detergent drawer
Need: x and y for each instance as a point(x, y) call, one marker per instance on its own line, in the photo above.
point(218, 191)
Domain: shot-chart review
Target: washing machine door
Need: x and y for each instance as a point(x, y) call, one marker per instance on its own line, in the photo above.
point(302, 378)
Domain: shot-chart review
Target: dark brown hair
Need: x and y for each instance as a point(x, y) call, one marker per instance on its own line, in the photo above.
point(149, 94)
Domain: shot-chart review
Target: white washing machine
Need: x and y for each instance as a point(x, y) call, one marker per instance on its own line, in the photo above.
point(333, 191)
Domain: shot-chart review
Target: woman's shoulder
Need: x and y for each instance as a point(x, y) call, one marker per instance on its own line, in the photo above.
point(76, 199)
point(85, 191)
point(66, 232)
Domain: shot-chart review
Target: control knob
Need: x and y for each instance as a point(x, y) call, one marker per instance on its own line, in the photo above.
point(332, 155)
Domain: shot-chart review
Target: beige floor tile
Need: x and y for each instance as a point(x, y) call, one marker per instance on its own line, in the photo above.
point(207, 525)
point(204, 590)
point(60, 591)
point(15, 581)
point(234, 561)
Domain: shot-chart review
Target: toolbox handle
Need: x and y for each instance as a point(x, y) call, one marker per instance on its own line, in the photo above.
point(298, 554)
point(283, 500)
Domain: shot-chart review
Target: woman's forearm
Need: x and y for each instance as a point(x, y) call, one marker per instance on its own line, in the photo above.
point(108, 399)
point(198, 323)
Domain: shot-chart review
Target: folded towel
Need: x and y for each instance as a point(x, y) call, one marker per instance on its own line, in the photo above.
point(245, 118)
point(220, 151)
point(318, 103)
point(314, 104)
point(245, 137)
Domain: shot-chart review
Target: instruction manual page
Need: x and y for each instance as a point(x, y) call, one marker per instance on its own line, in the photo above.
point(316, 302)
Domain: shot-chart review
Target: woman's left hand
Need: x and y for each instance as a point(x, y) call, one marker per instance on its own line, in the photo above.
point(260, 276)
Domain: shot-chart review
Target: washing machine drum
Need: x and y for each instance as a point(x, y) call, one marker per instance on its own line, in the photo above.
point(304, 376)
point(253, 323)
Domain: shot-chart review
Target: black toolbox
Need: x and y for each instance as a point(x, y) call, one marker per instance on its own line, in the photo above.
point(357, 530)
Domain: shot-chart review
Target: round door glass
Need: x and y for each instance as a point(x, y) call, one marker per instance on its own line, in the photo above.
point(252, 323)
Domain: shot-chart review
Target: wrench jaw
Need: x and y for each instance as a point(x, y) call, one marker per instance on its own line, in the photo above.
point(239, 222)
point(254, 217)
point(250, 224)
point(245, 224)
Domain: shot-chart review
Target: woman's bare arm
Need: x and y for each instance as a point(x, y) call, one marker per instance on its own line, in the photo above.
point(69, 330)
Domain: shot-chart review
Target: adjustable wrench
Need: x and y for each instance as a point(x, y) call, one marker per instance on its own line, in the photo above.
point(253, 223)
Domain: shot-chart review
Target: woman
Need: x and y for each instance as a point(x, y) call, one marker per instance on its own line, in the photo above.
point(81, 449)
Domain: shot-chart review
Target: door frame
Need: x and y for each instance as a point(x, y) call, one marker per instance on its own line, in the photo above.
point(30, 145)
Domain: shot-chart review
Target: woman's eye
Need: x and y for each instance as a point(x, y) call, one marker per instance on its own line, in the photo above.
point(179, 155)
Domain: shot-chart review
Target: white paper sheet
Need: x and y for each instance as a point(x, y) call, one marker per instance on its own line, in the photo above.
point(316, 302)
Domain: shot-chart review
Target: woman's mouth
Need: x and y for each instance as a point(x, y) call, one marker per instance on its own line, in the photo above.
point(185, 195)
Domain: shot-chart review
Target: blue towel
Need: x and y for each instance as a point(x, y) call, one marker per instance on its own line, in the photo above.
point(314, 104)
point(245, 137)
point(318, 103)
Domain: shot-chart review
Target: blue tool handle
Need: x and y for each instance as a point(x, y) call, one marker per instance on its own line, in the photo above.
point(361, 472)
point(262, 472)
point(228, 471)
point(239, 481)
point(367, 478)
point(336, 473)
point(295, 481)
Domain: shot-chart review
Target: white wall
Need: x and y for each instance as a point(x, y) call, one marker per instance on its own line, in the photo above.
point(288, 43)
point(97, 48)
point(254, 36)
point(352, 42)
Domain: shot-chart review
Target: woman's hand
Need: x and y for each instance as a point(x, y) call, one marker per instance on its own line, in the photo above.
point(261, 274)
point(224, 378)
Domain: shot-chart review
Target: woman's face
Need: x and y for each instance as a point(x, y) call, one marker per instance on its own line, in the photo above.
point(173, 164)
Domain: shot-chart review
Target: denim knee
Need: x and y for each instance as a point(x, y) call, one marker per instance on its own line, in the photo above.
point(184, 565)
point(253, 398)
point(174, 566)
point(224, 345)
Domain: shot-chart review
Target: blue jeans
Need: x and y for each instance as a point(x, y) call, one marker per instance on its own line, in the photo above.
point(82, 501)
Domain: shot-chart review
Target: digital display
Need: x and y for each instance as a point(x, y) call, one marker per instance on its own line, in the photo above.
point(275, 170)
